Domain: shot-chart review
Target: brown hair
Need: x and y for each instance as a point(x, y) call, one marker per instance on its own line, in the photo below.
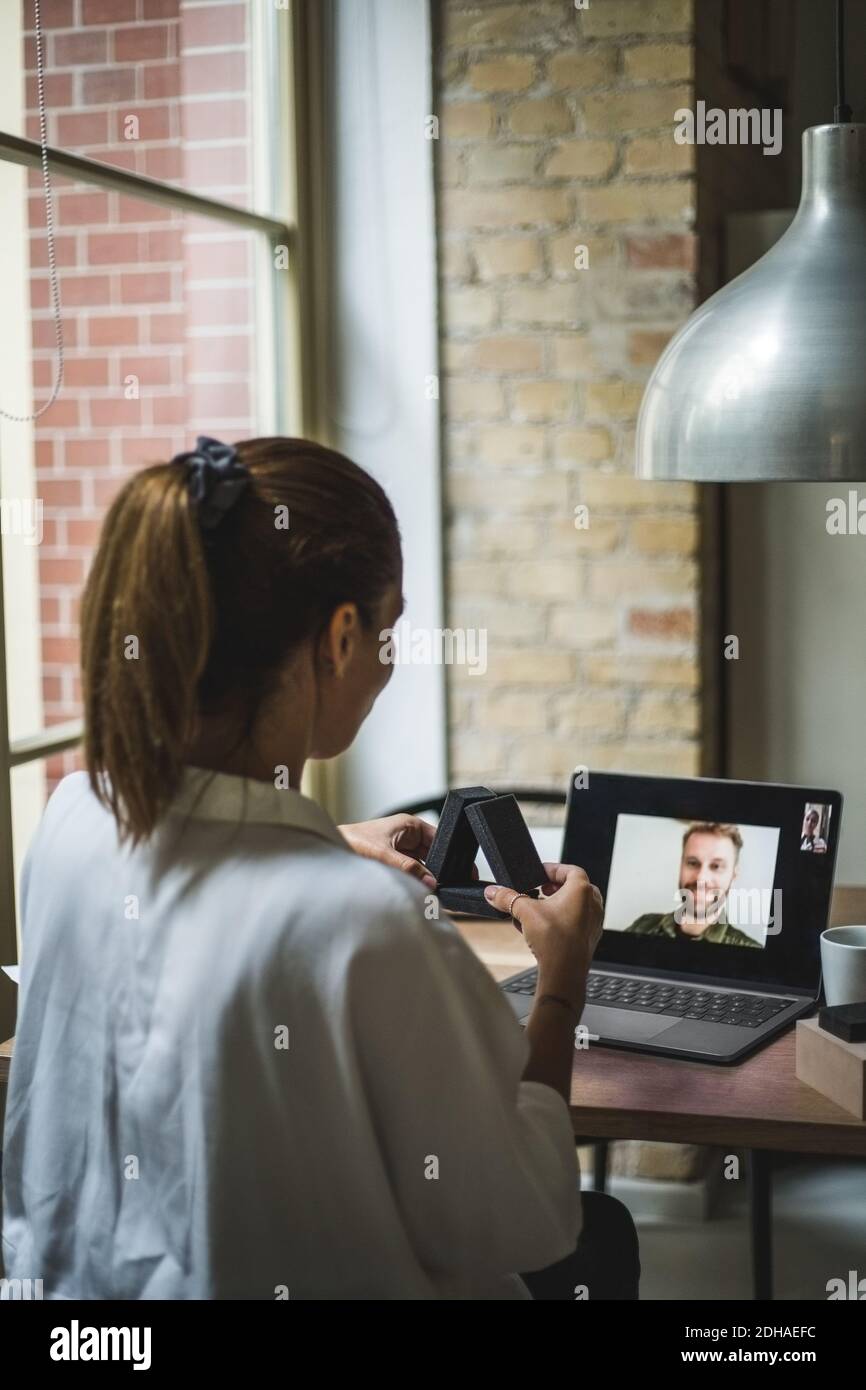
point(215, 614)
point(715, 827)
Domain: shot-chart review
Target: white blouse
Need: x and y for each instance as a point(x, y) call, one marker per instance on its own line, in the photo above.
point(248, 1066)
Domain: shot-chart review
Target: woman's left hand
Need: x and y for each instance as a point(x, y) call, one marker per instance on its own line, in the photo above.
point(399, 841)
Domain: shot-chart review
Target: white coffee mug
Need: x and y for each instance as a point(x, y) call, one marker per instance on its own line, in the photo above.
point(843, 962)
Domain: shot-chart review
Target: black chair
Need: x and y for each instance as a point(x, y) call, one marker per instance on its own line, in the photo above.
point(536, 797)
point(436, 802)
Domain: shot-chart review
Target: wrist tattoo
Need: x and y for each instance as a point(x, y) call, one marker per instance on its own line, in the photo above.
point(558, 999)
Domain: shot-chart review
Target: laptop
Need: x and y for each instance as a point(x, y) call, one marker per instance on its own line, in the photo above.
point(716, 894)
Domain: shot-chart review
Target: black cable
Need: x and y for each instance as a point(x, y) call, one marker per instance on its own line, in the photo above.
point(841, 111)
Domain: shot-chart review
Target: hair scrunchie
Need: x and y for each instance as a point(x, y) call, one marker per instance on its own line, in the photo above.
point(216, 478)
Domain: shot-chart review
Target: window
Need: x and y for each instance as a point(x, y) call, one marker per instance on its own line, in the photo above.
point(172, 132)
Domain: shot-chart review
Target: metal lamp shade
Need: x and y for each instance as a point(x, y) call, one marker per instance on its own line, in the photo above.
point(767, 380)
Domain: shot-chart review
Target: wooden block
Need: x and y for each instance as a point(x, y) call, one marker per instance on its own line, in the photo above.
point(835, 1068)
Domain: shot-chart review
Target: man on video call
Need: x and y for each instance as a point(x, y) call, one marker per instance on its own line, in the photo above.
point(708, 867)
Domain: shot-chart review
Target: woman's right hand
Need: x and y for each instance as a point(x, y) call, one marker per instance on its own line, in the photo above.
point(563, 928)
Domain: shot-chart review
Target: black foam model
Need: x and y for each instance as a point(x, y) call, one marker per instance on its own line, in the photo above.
point(846, 1021)
point(468, 898)
point(473, 816)
point(508, 846)
point(454, 846)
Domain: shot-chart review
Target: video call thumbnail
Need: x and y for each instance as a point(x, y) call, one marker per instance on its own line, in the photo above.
point(815, 834)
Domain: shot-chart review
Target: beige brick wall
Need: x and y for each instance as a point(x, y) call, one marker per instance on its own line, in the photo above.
point(557, 132)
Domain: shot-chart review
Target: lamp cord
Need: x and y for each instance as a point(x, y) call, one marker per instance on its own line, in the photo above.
point(49, 227)
point(841, 111)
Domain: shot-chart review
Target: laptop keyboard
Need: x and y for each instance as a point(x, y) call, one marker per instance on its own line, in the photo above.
point(664, 997)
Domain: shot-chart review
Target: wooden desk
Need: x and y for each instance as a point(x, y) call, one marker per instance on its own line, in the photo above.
point(615, 1094)
point(758, 1105)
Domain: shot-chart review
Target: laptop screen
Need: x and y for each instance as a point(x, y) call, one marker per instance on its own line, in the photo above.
point(686, 864)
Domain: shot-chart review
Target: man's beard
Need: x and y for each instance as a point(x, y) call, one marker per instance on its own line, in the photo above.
point(703, 907)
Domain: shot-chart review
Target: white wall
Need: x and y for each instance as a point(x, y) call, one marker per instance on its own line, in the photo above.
point(797, 602)
point(797, 595)
point(798, 691)
point(383, 349)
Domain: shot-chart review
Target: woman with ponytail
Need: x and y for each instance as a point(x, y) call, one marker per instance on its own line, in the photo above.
point(247, 1064)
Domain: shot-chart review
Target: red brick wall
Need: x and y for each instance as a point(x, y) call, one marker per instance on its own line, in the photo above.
point(146, 292)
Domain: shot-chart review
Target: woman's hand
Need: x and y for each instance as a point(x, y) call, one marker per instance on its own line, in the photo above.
point(562, 928)
point(399, 841)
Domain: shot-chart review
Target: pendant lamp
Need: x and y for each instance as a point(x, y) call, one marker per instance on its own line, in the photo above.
point(767, 380)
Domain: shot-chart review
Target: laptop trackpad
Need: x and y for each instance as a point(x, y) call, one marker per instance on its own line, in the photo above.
point(625, 1024)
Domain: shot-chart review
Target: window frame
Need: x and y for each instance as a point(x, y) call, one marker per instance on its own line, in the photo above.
point(289, 57)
